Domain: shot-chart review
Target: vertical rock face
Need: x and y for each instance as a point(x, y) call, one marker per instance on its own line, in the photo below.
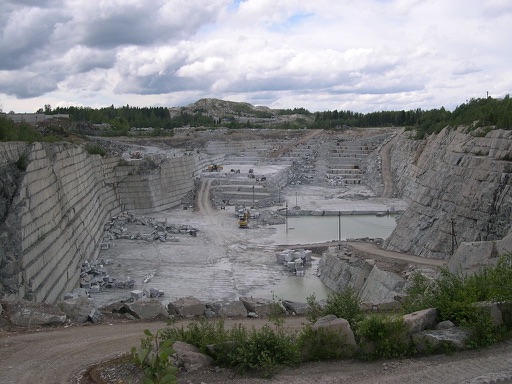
point(458, 188)
point(54, 219)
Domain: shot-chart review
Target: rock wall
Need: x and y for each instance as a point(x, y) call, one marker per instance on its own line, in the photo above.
point(458, 189)
point(372, 284)
point(54, 220)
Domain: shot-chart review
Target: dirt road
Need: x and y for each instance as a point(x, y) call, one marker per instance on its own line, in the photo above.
point(60, 355)
point(372, 250)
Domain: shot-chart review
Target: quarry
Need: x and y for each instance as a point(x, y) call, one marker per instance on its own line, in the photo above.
point(162, 219)
point(64, 207)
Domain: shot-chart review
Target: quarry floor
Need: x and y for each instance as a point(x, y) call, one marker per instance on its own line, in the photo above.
point(224, 262)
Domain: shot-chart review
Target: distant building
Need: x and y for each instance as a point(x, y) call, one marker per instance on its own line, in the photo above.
point(33, 118)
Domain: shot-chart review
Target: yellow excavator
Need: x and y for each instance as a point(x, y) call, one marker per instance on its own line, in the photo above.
point(243, 218)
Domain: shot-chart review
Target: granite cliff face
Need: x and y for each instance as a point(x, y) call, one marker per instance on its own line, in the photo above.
point(458, 188)
point(56, 199)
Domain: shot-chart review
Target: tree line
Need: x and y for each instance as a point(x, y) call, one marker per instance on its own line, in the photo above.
point(475, 112)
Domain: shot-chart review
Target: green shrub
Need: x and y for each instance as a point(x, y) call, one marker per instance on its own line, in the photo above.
point(264, 350)
point(260, 351)
point(382, 335)
point(454, 295)
point(344, 304)
point(479, 322)
point(153, 358)
point(22, 162)
point(95, 149)
point(321, 344)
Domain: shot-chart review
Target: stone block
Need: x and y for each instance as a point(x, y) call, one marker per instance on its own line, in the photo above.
point(137, 294)
point(189, 358)
point(387, 306)
point(233, 309)
point(27, 314)
point(154, 293)
point(420, 320)
point(262, 307)
point(447, 324)
point(296, 307)
point(145, 309)
point(438, 340)
point(186, 307)
point(333, 323)
point(77, 309)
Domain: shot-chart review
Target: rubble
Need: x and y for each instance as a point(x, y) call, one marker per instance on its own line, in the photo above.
point(117, 228)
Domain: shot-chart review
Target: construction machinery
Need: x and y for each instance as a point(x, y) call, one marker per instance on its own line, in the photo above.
point(243, 217)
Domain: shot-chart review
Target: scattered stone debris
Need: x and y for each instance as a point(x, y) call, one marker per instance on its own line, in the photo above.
point(117, 228)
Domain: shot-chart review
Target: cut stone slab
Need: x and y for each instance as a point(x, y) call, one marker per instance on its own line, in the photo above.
point(78, 309)
point(186, 307)
point(437, 340)
point(420, 320)
point(145, 309)
point(25, 313)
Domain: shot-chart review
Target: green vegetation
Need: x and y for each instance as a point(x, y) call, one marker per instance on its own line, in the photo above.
point(344, 304)
point(10, 131)
point(455, 295)
point(95, 149)
point(382, 335)
point(153, 358)
point(474, 113)
point(245, 350)
point(377, 335)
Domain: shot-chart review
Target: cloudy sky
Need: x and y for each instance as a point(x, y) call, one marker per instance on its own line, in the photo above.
point(359, 55)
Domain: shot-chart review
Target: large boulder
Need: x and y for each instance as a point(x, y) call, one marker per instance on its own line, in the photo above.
point(77, 309)
point(189, 358)
point(441, 340)
point(296, 307)
point(333, 323)
point(145, 309)
point(261, 307)
point(186, 307)
point(420, 320)
point(381, 286)
point(233, 309)
point(25, 313)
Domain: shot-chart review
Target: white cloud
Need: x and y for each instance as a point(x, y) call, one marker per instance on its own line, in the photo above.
point(326, 54)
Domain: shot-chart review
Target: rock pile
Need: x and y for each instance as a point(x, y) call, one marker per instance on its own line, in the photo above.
point(117, 228)
point(95, 278)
